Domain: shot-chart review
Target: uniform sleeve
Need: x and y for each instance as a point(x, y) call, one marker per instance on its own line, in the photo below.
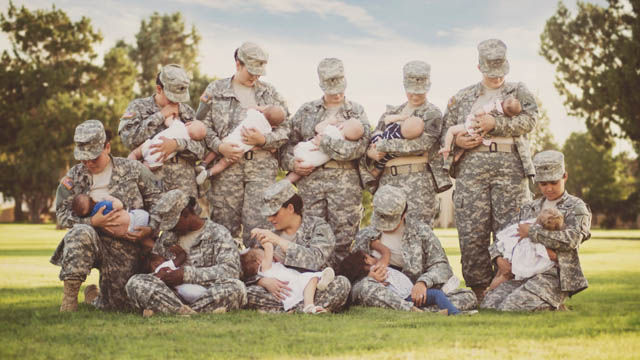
point(364, 237)
point(577, 226)
point(430, 137)
point(135, 126)
point(150, 193)
point(438, 270)
point(64, 196)
point(205, 114)
point(227, 261)
point(520, 124)
point(314, 255)
point(345, 150)
point(280, 134)
point(287, 157)
point(448, 120)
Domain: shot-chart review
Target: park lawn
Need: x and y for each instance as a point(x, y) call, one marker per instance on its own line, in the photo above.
point(603, 323)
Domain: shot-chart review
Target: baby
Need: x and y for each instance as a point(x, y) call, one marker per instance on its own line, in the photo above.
point(399, 126)
point(176, 129)
point(83, 205)
point(509, 107)
point(360, 264)
point(527, 258)
point(262, 118)
point(303, 286)
point(189, 292)
point(310, 152)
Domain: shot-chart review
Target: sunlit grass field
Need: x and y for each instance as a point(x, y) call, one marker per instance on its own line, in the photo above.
point(604, 322)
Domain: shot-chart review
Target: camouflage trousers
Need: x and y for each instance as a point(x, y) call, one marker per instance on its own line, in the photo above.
point(333, 298)
point(369, 292)
point(235, 195)
point(490, 189)
point(82, 249)
point(540, 292)
point(148, 292)
point(421, 195)
point(334, 195)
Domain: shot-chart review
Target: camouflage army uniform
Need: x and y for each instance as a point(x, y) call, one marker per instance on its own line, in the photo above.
point(234, 189)
point(490, 186)
point(212, 262)
point(142, 120)
point(312, 250)
point(84, 247)
point(425, 261)
point(547, 290)
point(424, 184)
point(332, 193)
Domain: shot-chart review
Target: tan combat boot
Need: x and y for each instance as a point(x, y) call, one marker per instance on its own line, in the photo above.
point(70, 295)
point(186, 310)
point(91, 293)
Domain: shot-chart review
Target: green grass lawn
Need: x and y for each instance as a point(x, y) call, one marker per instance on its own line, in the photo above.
point(603, 324)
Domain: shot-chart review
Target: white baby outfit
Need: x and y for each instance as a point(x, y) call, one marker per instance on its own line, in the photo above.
point(527, 258)
point(254, 119)
point(297, 282)
point(310, 153)
point(177, 130)
point(189, 292)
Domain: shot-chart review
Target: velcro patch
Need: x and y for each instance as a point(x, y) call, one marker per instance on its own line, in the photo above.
point(129, 115)
point(205, 97)
point(67, 182)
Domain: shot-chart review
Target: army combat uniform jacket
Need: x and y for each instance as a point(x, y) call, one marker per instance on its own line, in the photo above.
point(212, 261)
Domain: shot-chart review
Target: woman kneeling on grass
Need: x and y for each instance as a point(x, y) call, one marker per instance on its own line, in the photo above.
point(549, 289)
point(415, 251)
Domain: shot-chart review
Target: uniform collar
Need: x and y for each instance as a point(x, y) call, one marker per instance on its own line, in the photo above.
point(227, 88)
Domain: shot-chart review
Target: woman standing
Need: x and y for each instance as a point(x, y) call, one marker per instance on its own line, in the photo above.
point(416, 166)
point(222, 106)
point(491, 180)
point(331, 191)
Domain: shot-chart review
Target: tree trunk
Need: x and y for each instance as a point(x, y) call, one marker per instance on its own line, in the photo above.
point(18, 215)
point(35, 207)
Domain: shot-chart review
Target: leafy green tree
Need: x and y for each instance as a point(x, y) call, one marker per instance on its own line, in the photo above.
point(595, 175)
point(162, 40)
point(541, 137)
point(597, 57)
point(47, 80)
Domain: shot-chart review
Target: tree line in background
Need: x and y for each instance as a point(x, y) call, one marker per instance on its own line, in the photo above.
point(52, 79)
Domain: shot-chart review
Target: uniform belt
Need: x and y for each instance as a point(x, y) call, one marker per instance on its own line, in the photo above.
point(406, 160)
point(334, 164)
point(405, 169)
point(495, 147)
point(256, 154)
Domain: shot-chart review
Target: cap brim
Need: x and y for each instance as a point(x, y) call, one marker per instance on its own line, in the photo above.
point(168, 225)
point(178, 98)
point(267, 211)
point(415, 89)
point(257, 71)
point(385, 224)
point(82, 155)
point(547, 177)
point(332, 90)
point(495, 72)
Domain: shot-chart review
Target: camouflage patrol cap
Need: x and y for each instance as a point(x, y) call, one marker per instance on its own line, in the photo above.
point(416, 76)
point(169, 207)
point(175, 81)
point(276, 195)
point(388, 205)
point(492, 58)
point(331, 75)
point(549, 165)
point(254, 58)
point(89, 138)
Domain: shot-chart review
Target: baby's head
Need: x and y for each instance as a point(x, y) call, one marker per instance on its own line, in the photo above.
point(551, 219)
point(511, 106)
point(274, 115)
point(356, 266)
point(250, 262)
point(155, 260)
point(81, 205)
point(197, 130)
point(412, 127)
point(352, 129)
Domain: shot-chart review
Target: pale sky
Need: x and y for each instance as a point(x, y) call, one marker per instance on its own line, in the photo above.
point(373, 38)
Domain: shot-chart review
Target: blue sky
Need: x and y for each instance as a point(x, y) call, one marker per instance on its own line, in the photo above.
point(373, 38)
